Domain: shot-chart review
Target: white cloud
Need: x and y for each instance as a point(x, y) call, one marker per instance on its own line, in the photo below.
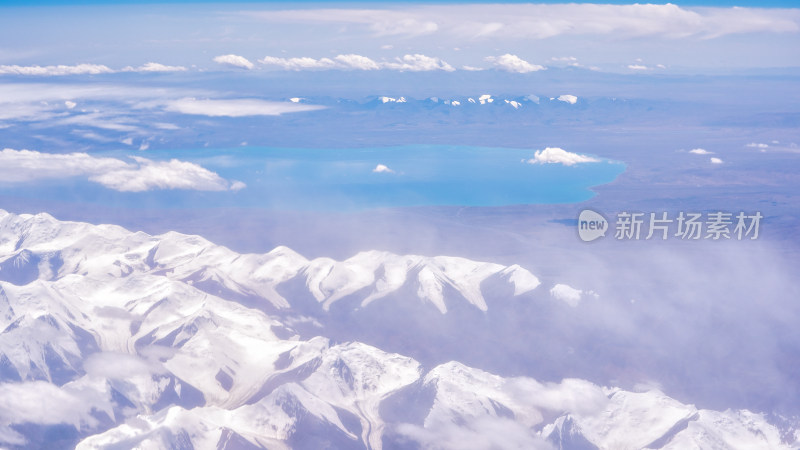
point(140, 175)
point(637, 67)
point(236, 107)
point(555, 155)
point(84, 69)
point(27, 165)
point(45, 403)
point(120, 366)
point(513, 63)
point(716, 161)
point(700, 151)
point(234, 61)
point(473, 433)
point(419, 63)
point(302, 63)
point(79, 69)
point(380, 168)
point(70, 105)
point(566, 98)
point(472, 68)
point(154, 67)
point(566, 294)
point(758, 145)
point(357, 62)
point(349, 61)
point(172, 174)
point(412, 63)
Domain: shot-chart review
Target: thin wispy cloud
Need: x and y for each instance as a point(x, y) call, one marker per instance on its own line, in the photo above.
point(99, 120)
point(300, 63)
point(235, 107)
point(154, 67)
point(59, 70)
point(84, 69)
point(543, 21)
point(419, 63)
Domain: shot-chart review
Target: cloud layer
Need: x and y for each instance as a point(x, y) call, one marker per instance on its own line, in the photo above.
point(236, 107)
point(154, 67)
point(410, 63)
point(17, 166)
point(78, 69)
point(84, 69)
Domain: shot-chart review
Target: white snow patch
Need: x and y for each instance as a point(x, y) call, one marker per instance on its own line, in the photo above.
point(571, 99)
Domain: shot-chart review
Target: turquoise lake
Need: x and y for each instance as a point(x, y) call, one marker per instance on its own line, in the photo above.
point(344, 179)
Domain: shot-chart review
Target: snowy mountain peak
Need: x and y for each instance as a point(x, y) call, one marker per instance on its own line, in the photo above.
point(53, 249)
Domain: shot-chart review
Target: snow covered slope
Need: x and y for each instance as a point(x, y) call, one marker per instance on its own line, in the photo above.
point(40, 247)
point(113, 339)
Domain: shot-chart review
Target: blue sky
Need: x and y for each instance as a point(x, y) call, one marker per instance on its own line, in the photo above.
point(615, 38)
point(751, 3)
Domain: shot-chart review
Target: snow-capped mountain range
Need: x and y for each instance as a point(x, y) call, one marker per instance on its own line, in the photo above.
point(115, 339)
